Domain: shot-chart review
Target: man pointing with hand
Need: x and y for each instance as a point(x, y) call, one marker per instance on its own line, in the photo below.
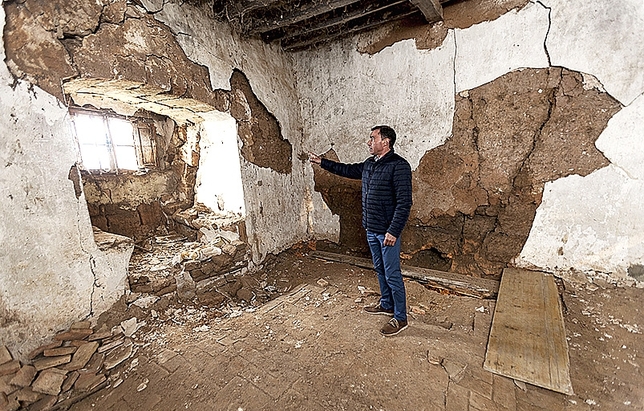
point(386, 202)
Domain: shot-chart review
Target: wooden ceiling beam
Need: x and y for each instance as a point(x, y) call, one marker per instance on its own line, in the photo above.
point(307, 11)
point(431, 9)
point(319, 36)
point(245, 6)
point(337, 19)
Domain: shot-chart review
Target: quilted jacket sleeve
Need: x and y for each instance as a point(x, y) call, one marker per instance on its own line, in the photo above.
point(403, 190)
point(353, 171)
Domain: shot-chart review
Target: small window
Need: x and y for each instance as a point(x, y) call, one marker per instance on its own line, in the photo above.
point(110, 143)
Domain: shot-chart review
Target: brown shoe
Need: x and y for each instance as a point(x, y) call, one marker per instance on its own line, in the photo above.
point(393, 327)
point(377, 309)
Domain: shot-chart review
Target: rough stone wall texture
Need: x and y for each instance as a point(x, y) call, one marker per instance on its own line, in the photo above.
point(501, 186)
point(49, 251)
point(52, 271)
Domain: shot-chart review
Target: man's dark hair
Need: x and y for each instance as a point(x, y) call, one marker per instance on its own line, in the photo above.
point(386, 132)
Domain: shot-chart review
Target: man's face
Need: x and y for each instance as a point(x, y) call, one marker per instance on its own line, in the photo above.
point(377, 146)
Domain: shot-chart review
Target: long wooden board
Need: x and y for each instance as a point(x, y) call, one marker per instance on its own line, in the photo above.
point(457, 283)
point(528, 340)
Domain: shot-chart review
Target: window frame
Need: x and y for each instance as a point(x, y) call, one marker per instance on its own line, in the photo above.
point(145, 162)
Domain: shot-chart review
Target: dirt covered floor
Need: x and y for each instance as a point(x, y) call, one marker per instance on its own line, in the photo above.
point(310, 347)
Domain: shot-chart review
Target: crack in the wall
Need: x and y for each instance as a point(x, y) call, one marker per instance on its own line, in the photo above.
point(91, 261)
point(545, 40)
point(454, 60)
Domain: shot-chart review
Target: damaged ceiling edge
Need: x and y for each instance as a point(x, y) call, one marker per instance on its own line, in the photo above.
point(127, 97)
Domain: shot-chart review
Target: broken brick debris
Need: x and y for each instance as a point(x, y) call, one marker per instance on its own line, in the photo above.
point(50, 379)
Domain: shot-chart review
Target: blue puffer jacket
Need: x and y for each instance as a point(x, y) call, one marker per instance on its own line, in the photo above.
point(386, 191)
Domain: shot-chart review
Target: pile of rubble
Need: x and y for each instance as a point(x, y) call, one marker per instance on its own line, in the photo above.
point(208, 246)
point(77, 363)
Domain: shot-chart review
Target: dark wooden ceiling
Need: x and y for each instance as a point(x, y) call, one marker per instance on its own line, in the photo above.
point(301, 24)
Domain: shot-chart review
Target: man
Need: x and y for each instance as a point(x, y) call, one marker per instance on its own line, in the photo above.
point(386, 202)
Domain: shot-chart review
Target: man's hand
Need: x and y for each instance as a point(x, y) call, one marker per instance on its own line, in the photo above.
point(314, 158)
point(390, 240)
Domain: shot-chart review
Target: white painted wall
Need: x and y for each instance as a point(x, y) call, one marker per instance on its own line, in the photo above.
point(52, 271)
point(343, 93)
point(603, 38)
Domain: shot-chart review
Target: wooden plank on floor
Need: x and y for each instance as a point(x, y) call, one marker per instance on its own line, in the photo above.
point(458, 283)
point(528, 341)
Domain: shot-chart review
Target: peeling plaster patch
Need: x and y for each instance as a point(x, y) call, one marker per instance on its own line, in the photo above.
point(622, 140)
point(140, 49)
point(258, 129)
point(344, 199)
point(34, 52)
point(462, 14)
point(475, 197)
point(74, 177)
point(513, 41)
point(602, 38)
point(588, 223)
point(426, 36)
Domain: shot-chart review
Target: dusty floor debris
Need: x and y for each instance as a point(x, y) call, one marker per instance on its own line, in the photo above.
point(312, 348)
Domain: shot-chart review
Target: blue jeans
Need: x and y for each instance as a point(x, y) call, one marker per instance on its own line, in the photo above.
point(386, 262)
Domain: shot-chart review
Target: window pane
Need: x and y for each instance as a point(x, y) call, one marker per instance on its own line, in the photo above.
point(121, 132)
point(126, 157)
point(89, 129)
point(95, 157)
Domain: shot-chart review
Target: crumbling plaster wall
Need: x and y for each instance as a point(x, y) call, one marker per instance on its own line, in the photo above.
point(48, 249)
point(457, 108)
point(276, 215)
point(52, 270)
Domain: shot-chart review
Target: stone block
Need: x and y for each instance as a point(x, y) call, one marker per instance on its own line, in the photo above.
point(503, 393)
point(8, 404)
point(5, 386)
point(112, 344)
point(5, 355)
point(69, 381)
point(77, 334)
point(44, 403)
point(81, 325)
point(457, 398)
point(88, 381)
point(118, 355)
point(49, 381)
point(10, 367)
point(82, 356)
point(454, 369)
point(96, 362)
point(50, 362)
point(100, 335)
point(24, 377)
point(27, 395)
point(35, 353)
point(56, 352)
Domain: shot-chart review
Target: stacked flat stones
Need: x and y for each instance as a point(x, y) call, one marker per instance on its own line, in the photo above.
point(75, 364)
